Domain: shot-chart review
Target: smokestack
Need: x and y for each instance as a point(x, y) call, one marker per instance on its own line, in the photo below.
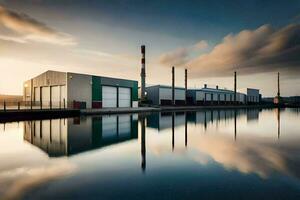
point(217, 87)
point(185, 84)
point(278, 85)
point(205, 85)
point(235, 87)
point(143, 72)
point(173, 85)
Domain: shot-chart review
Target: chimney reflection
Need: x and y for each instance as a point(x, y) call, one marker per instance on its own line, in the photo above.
point(235, 113)
point(143, 143)
point(173, 131)
point(185, 130)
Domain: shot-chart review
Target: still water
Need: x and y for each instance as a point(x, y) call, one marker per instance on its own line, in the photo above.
point(210, 154)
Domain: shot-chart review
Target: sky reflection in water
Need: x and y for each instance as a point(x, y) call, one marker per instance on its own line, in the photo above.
point(228, 154)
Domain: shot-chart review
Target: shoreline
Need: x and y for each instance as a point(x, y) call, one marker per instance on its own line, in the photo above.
point(21, 115)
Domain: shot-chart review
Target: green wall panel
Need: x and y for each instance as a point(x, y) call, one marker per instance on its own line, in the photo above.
point(134, 92)
point(96, 89)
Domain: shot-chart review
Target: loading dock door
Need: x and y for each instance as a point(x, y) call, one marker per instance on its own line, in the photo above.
point(109, 97)
point(37, 95)
point(55, 96)
point(46, 96)
point(124, 97)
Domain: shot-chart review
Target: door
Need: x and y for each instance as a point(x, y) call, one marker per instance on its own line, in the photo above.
point(109, 97)
point(37, 96)
point(55, 96)
point(45, 96)
point(124, 97)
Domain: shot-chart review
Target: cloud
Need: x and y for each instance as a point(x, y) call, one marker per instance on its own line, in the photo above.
point(29, 29)
point(17, 182)
point(180, 56)
point(201, 45)
point(251, 51)
point(177, 57)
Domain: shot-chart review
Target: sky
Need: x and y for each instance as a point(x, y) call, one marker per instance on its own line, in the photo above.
point(212, 39)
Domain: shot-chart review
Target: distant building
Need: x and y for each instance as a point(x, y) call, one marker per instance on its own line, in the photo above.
point(162, 95)
point(214, 96)
point(253, 96)
point(59, 89)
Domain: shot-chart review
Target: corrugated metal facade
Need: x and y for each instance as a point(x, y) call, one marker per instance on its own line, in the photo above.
point(56, 89)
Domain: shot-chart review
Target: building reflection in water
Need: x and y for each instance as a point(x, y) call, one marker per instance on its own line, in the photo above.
point(161, 121)
point(66, 137)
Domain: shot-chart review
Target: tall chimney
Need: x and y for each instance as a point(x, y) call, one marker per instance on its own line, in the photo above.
point(278, 85)
point(205, 85)
point(235, 87)
point(143, 73)
point(173, 85)
point(185, 85)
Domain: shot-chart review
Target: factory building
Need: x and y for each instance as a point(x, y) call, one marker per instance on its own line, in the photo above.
point(65, 89)
point(162, 95)
point(253, 96)
point(213, 96)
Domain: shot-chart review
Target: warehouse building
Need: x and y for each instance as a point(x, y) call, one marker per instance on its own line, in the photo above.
point(253, 96)
point(65, 89)
point(213, 96)
point(162, 95)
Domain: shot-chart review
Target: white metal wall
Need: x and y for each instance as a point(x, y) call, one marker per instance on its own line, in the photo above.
point(166, 93)
point(45, 96)
point(109, 96)
point(55, 96)
point(124, 97)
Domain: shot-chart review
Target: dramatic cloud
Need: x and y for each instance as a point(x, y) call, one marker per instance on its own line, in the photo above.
point(250, 51)
point(29, 29)
point(180, 56)
point(177, 57)
point(201, 45)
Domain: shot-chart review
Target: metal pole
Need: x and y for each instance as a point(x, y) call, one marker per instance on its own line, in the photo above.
point(4, 106)
point(64, 103)
point(18, 105)
point(235, 87)
point(31, 92)
point(143, 72)
point(173, 86)
point(185, 84)
point(41, 98)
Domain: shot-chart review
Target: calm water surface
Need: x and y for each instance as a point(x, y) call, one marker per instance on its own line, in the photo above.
point(212, 154)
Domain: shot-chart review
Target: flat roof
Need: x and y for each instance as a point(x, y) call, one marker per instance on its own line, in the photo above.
point(83, 74)
point(165, 86)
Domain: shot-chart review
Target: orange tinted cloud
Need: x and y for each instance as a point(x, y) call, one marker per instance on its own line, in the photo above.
point(250, 51)
point(30, 29)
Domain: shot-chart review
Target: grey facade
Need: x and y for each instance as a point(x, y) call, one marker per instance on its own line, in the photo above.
point(253, 96)
point(66, 89)
point(162, 95)
point(213, 96)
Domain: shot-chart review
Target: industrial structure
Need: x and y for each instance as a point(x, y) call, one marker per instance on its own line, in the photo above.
point(163, 95)
point(214, 96)
point(253, 96)
point(143, 72)
point(277, 99)
point(54, 89)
